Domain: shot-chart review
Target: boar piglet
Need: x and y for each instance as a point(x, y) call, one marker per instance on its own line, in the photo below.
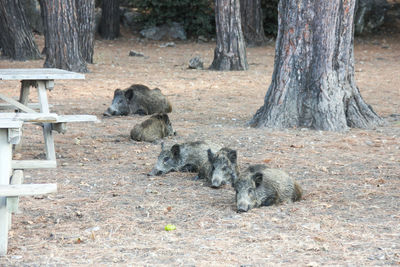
point(187, 157)
point(138, 99)
point(260, 186)
point(156, 127)
point(220, 168)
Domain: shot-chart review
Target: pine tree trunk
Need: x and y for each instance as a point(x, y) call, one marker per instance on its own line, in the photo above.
point(252, 22)
point(61, 36)
point(86, 28)
point(16, 38)
point(230, 52)
point(313, 81)
point(109, 23)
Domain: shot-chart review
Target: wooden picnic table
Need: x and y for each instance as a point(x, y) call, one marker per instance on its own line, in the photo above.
point(10, 133)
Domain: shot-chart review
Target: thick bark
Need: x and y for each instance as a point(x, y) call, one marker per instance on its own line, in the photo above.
point(86, 27)
point(230, 53)
point(109, 23)
point(313, 81)
point(252, 22)
point(62, 46)
point(32, 15)
point(16, 39)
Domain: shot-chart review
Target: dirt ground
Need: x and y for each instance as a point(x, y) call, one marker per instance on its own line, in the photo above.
point(107, 211)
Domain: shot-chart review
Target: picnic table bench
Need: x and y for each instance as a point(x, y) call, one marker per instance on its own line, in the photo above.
point(10, 134)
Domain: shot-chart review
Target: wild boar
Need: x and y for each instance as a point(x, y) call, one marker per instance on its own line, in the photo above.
point(156, 127)
point(138, 99)
point(186, 157)
point(220, 168)
point(260, 186)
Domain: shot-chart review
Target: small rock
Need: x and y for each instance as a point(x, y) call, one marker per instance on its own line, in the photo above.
point(133, 53)
point(169, 44)
point(201, 38)
point(196, 63)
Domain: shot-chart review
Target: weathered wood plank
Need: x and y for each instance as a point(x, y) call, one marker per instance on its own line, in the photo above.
point(29, 117)
point(17, 104)
point(47, 129)
point(77, 118)
point(5, 172)
point(39, 74)
point(10, 124)
point(16, 190)
point(33, 164)
point(12, 202)
point(5, 106)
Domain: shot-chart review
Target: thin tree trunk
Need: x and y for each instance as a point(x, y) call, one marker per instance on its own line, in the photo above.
point(252, 22)
point(109, 23)
point(61, 35)
point(16, 38)
point(86, 28)
point(313, 80)
point(230, 52)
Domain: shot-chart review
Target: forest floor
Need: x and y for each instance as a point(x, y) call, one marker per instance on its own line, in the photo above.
point(107, 211)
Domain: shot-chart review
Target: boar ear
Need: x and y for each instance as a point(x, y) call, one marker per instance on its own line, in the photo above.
point(118, 92)
point(210, 155)
point(129, 94)
point(232, 156)
point(257, 178)
point(162, 145)
point(176, 150)
point(165, 118)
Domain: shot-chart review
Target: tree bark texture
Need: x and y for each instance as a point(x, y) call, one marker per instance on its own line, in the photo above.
point(252, 22)
point(62, 45)
point(109, 23)
point(313, 81)
point(86, 28)
point(16, 38)
point(230, 52)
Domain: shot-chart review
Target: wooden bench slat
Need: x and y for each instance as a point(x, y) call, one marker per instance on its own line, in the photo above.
point(5, 106)
point(29, 117)
point(77, 118)
point(33, 164)
point(16, 190)
point(9, 124)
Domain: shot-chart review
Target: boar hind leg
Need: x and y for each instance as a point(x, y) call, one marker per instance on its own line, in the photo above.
point(270, 199)
point(189, 168)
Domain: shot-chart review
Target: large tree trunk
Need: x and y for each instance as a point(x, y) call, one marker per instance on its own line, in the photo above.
point(252, 22)
point(313, 80)
point(61, 36)
point(86, 27)
point(16, 39)
point(230, 53)
point(109, 23)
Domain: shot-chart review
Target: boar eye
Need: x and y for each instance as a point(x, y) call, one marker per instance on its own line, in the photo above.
point(166, 159)
point(251, 190)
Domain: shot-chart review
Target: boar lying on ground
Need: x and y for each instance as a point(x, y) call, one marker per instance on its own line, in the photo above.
point(156, 127)
point(138, 99)
point(187, 157)
point(220, 168)
point(260, 186)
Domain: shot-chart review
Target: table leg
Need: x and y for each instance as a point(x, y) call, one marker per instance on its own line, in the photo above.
point(24, 94)
point(5, 172)
point(47, 131)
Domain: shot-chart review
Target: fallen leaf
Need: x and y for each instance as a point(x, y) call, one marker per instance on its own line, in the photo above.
point(267, 160)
